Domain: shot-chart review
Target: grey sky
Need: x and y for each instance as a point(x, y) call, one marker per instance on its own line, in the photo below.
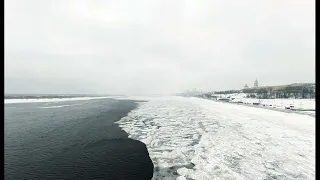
point(156, 46)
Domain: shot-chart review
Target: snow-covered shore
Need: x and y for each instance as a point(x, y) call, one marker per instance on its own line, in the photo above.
point(11, 101)
point(296, 104)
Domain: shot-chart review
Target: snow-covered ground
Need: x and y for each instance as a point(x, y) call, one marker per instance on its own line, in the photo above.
point(192, 138)
point(283, 103)
point(301, 104)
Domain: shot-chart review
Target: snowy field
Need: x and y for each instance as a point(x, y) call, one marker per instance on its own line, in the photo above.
point(192, 138)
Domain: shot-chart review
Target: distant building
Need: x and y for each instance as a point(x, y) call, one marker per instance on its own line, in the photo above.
point(256, 83)
point(245, 86)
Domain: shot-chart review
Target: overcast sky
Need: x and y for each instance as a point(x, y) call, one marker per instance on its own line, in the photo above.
point(156, 46)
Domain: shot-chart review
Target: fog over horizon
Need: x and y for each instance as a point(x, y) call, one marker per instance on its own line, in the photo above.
point(156, 46)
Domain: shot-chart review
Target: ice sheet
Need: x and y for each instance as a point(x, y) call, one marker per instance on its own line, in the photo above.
point(202, 139)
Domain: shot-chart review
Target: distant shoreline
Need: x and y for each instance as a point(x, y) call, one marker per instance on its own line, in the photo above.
point(51, 99)
point(50, 96)
point(302, 112)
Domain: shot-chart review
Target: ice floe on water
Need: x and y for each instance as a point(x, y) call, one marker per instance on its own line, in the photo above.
point(66, 105)
point(191, 138)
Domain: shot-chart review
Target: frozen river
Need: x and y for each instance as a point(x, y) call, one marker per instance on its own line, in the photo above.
point(191, 138)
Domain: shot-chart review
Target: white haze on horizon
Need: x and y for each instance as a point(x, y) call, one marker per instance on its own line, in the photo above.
point(156, 46)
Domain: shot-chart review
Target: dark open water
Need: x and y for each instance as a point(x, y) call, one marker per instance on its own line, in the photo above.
point(79, 141)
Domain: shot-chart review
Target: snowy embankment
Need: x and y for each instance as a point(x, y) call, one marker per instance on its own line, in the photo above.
point(295, 104)
point(201, 139)
point(299, 104)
